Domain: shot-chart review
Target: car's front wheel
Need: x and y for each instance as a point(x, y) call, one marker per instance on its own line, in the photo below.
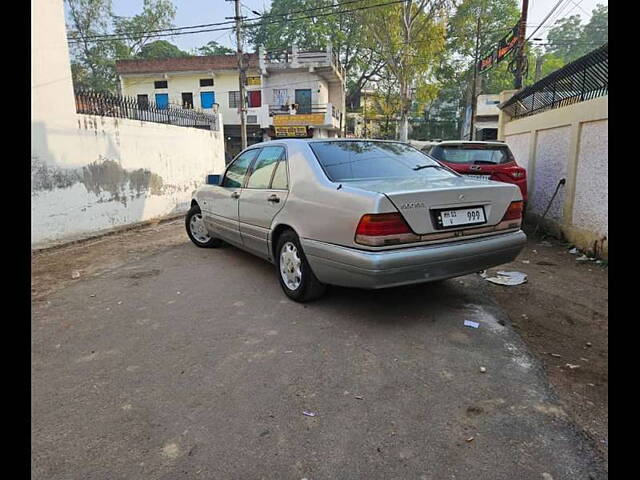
point(197, 230)
point(294, 273)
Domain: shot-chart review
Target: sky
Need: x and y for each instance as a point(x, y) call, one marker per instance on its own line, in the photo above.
point(194, 12)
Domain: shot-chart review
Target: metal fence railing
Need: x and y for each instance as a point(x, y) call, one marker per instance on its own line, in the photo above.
point(299, 108)
point(109, 105)
point(583, 79)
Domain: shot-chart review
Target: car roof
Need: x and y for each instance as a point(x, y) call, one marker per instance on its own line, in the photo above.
point(473, 142)
point(315, 140)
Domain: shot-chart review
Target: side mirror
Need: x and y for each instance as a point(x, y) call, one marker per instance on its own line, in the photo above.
point(213, 180)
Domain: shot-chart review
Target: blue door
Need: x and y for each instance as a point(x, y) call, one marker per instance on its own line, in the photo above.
point(162, 100)
point(303, 99)
point(207, 99)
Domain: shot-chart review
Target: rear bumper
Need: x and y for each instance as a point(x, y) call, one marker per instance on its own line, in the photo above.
point(349, 267)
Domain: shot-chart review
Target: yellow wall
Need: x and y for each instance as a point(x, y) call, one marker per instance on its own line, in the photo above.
point(223, 83)
point(571, 143)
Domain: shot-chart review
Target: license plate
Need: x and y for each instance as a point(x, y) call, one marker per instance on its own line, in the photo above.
point(478, 177)
point(460, 216)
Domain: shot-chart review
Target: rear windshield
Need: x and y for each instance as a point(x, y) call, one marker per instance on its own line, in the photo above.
point(473, 154)
point(358, 160)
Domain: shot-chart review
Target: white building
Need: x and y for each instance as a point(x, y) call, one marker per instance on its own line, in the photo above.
point(289, 93)
point(486, 121)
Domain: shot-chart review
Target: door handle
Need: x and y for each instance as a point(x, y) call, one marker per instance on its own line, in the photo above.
point(273, 198)
point(235, 195)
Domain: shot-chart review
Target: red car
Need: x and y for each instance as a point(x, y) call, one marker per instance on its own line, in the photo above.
point(482, 160)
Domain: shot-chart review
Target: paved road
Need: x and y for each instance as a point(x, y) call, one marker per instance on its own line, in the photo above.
point(191, 363)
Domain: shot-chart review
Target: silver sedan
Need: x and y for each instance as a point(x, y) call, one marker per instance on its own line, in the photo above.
point(356, 213)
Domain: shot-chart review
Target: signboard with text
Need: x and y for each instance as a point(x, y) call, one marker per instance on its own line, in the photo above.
point(291, 132)
point(299, 119)
point(505, 46)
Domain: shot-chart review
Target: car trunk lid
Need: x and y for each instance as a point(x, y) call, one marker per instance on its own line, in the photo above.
point(420, 199)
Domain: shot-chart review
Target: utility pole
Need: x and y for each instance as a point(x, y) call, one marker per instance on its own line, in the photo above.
point(474, 86)
point(520, 60)
point(241, 72)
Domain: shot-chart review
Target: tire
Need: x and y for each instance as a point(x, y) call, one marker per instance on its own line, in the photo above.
point(303, 287)
point(197, 231)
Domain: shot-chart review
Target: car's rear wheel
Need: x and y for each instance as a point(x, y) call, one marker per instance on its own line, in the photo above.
point(197, 230)
point(294, 273)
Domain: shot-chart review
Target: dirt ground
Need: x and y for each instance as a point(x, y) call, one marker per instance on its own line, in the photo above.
point(561, 312)
point(56, 268)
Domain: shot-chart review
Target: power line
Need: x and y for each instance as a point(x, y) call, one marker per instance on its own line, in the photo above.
point(567, 43)
point(578, 5)
point(539, 25)
point(545, 19)
point(555, 18)
point(142, 33)
point(304, 10)
point(117, 36)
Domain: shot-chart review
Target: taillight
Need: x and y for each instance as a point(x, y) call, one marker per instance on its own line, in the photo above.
point(514, 212)
point(378, 229)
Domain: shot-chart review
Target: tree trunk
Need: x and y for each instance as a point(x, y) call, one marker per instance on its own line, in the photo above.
point(404, 127)
point(405, 102)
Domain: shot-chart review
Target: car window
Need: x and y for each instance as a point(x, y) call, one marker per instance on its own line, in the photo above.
point(280, 180)
point(234, 178)
point(473, 154)
point(358, 160)
point(263, 167)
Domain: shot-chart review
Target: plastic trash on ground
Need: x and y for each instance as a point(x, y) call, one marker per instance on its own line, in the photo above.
point(508, 278)
point(469, 323)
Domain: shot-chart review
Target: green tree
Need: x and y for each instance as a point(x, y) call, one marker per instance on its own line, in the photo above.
point(155, 15)
point(565, 38)
point(570, 39)
point(214, 48)
point(160, 49)
point(548, 63)
point(596, 32)
point(93, 60)
point(382, 109)
point(409, 37)
point(89, 60)
point(455, 71)
point(280, 29)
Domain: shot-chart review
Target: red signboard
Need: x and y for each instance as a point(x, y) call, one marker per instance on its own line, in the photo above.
point(505, 45)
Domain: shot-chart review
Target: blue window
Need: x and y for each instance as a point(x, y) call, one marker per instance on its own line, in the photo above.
point(207, 99)
point(162, 100)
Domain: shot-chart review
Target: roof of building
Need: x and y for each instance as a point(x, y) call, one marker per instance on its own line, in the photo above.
point(184, 64)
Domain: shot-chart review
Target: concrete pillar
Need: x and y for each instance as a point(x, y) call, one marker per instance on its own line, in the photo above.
point(504, 117)
point(572, 170)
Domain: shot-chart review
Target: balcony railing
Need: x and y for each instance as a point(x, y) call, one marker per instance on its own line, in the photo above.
point(324, 114)
point(109, 105)
point(297, 109)
point(294, 58)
